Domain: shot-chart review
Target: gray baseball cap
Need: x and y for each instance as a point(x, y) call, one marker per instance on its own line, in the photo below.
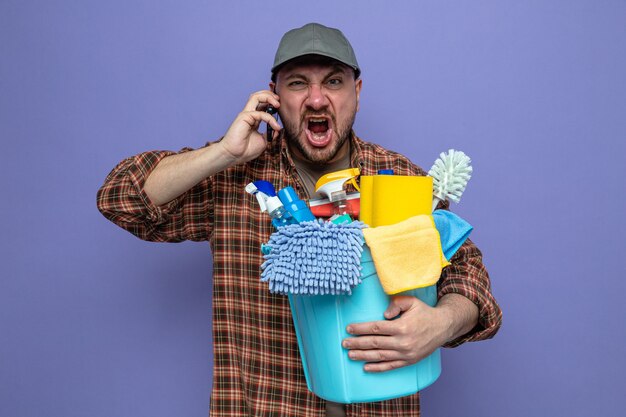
point(316, 39)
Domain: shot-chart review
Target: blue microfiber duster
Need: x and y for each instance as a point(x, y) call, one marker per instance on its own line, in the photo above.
point(314, 258)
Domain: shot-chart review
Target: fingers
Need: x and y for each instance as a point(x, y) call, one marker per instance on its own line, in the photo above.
point(385, 366)
point(374, 356)
point(377, 348)
point(370, 342)
point(400, 304)
point(372, 327)
point(380, 353)
point(260, 100)
point(254, 118)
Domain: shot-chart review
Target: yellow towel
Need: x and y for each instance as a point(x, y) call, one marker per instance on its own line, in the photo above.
point(407, 255)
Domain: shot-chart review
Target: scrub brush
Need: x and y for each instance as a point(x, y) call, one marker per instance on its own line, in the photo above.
point(450, 173)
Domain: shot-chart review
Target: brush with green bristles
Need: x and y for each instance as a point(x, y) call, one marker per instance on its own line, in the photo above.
point(450, 172)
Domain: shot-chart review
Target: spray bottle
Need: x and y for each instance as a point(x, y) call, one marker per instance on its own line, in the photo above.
point(296, 207)
point(332, 186)
point(270, 203)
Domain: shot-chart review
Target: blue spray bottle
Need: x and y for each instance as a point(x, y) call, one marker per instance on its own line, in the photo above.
point(270, 203)
point(296, 207)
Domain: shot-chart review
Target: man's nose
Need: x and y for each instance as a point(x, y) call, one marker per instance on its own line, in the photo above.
point(317, 98)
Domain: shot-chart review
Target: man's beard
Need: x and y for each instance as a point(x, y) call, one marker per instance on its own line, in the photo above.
point(295, 136)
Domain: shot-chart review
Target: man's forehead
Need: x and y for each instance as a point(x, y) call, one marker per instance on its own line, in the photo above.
point(309, 62)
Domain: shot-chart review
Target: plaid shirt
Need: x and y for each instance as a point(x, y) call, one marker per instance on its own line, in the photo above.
point(257, 368)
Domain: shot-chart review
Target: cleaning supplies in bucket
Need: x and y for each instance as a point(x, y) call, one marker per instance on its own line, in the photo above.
point(357, 296)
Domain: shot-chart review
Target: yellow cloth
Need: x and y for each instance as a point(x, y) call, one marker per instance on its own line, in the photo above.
point(407, 255)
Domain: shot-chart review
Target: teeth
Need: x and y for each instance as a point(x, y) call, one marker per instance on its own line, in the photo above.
point(317, 120)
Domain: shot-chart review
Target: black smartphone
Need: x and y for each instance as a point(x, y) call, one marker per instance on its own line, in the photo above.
point(269, 131)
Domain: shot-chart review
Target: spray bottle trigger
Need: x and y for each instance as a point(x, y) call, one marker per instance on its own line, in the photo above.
point(354, 184)
point(251, 188)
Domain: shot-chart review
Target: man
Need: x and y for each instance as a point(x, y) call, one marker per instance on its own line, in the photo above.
point(199, 195)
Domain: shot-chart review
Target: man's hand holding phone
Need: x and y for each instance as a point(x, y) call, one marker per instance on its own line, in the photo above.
point(176, 174)
point(242, 141)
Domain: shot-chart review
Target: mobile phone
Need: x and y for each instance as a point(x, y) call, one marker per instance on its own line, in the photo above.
point(269, 131)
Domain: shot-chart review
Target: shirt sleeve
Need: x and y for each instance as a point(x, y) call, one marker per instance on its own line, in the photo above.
point(468, 277)
point(123, 201)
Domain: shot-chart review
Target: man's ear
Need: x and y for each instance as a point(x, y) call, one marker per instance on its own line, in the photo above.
point(357, 85)
point(273, 87)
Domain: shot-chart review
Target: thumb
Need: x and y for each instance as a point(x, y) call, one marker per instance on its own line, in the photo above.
point(398, 305)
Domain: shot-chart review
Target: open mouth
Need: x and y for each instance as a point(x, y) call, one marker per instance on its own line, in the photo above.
point(318, 131)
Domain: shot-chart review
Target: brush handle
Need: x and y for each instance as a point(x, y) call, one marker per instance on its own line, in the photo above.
point(435, 202)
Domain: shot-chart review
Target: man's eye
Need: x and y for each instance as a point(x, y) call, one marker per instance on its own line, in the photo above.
point(297, 84)
point(334, 82)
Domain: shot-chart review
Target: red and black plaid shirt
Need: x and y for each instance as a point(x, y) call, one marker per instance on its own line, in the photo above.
point(257, 368)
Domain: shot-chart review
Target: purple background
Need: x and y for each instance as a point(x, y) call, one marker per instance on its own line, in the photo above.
point(94, 322)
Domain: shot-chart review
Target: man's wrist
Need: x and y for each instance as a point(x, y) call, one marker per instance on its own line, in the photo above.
point(225, 156)
point(459, 316)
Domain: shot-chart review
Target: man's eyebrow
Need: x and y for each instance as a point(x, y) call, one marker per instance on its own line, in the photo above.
point(336, 69)
point(295, 75)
